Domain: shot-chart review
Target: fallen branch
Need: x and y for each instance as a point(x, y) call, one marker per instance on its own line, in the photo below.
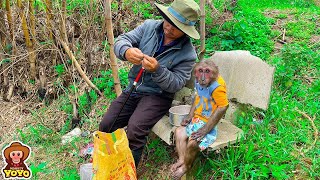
point(209, 2)
point(78, 67)
point(315, 130)
point(284, 35)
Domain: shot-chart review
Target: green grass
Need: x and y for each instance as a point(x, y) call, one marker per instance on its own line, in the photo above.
point(281, 147)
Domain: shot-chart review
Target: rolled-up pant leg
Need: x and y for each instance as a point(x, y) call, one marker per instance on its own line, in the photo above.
point(148, 112)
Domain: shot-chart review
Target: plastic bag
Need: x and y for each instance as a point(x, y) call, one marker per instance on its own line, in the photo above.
point(112, 157)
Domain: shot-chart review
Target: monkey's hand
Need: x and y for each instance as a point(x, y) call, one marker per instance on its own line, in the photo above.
point(185, 121)
point(198, 135)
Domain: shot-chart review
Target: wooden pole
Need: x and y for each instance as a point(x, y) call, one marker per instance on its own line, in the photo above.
point(113, 60)
point(202, 29)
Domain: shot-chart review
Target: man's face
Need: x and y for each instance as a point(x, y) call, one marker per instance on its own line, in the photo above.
point(170, 31)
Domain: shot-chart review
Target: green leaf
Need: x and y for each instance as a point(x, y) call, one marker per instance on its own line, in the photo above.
point(238, 39)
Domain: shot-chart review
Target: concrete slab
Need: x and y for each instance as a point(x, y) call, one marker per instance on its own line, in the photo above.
point(248, 78)
point(227, 133)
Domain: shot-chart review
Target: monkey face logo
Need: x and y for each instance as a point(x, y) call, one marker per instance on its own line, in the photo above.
point(14, 155)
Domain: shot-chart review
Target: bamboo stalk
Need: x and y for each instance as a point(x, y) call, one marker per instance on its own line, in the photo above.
point(78, 67)
point(11, 26)
point(202, 29)
point(63, 21)
point(32, 22)
point(49, 29)
point(113, 60)
point(49, 18)
point(2, 29)
point(32, 57)
point(2, 42)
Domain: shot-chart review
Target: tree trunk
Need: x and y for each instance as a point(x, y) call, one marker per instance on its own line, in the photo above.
point(11, 27)
point(113, 60)
point(202, 29)
point(32, 55)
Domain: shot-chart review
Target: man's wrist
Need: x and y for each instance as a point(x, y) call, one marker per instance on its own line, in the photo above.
point(158, 71)
point(123, 53)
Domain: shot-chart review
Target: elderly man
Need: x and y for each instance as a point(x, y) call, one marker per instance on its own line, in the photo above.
point(164, 49)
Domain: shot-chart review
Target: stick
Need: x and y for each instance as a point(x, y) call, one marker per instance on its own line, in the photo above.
point(202, 29)
point(315, 133)
point(284, 35)
point(212, 7)
point(113, 60)
point(78, 67)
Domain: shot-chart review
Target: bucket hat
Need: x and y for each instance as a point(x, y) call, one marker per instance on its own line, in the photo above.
point(184, 14)
point(16, 146)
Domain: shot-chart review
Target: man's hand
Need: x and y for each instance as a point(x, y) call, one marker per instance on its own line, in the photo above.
point(198, 135)
point(150, 63)
point(185, 121)
point(134, 55)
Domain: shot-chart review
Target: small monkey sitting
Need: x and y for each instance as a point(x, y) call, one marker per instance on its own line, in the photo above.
point(198, 130)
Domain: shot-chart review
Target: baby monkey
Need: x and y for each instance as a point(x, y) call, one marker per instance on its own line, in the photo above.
point(198, 130)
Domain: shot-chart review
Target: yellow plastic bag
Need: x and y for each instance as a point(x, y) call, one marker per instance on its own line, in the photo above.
point(112, 157)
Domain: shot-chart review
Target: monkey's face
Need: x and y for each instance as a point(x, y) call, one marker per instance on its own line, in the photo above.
point(204, 76)
point(16, 156)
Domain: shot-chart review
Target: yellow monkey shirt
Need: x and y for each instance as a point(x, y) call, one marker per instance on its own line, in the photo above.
point(206, 102)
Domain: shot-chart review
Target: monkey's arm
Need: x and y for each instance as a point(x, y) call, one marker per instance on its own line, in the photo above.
point(212, 122)
point(187, 119)
point(215, 118)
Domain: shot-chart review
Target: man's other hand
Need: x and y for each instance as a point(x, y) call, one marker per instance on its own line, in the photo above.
point(134, 55)
point(150, 63)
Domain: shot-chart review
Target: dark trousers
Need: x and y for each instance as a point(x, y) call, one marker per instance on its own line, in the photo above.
point(140, 114)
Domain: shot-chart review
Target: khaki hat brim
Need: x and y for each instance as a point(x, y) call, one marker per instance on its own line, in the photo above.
point(189, 30)
point(24, 149)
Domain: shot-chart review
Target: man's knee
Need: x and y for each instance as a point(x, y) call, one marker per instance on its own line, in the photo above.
point(136, 136)
point(106, 123)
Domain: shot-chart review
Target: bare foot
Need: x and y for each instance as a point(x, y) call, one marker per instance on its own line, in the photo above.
point(179, 172)
point(175, 166)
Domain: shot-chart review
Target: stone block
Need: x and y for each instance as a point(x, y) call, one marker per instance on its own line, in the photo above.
point(248, 78)
point(227, 132)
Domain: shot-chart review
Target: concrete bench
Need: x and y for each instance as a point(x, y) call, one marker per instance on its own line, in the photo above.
point(249, 81)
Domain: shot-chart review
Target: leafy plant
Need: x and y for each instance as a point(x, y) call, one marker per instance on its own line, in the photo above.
point(59, 69)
